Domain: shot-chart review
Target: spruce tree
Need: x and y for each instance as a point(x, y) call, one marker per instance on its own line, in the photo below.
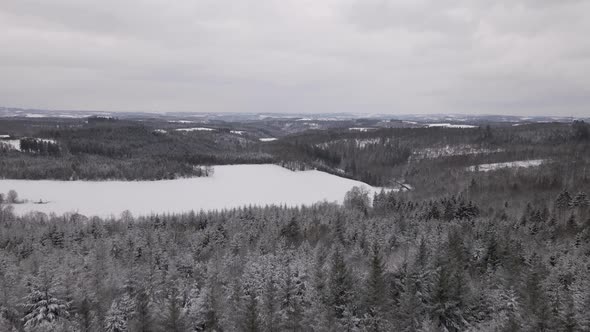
point(115, 320)
point(376, 290)
point(340, 286)
point(43, 307)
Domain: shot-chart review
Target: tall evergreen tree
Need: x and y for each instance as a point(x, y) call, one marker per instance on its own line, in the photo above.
point(340, 287)
point(115, 320)
point(43, 307)
point(376, 291)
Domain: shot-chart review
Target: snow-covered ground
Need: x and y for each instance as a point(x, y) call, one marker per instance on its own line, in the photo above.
point(237, 132)
point(181, 121)
point(448, 125)
point(195, 129)
point(11, 144)
point(361, 129)
point(267, 139)
point(511, 164)
point(230, 186)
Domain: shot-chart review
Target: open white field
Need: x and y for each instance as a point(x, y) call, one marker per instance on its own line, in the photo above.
point(230, 186)
point(510, 164)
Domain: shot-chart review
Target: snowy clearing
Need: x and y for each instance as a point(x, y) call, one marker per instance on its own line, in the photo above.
point(267, 139)
point(195, 129)
point(229, 187)
point(511, 164)
point(237, 132)
point(181, 121)
point(11, 144)
point(361, 129)
point(448, 125)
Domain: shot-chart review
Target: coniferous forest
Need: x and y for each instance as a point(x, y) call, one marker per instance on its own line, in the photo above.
point(457, 250)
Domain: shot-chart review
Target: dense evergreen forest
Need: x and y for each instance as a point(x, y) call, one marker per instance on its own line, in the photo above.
point(128, 151)
point(457, 250)
point(508, 251)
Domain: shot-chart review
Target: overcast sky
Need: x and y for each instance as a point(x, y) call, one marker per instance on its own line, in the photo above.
point(521, 57)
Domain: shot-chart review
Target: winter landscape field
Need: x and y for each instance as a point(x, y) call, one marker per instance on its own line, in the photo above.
point(294, 166)
point(231, 186)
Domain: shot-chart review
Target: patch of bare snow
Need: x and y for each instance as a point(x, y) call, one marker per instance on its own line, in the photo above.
point(11, 144)
point(448, 125)
point(181, 121)
point(511, 164)
point(195, 129)
point(237, 132)
point(361, 129)
point(267, 139)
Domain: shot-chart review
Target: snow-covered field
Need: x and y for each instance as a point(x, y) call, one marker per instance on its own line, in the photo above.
point(11, 144)
point(511, 164)
point(448, 125)
point(267, 139)
point(195, 129)
point(361, 129)
point(230, 186)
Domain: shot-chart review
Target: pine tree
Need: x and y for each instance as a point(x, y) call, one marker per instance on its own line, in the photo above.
point(205, 310)
point(142, 319)
point(43, 308)
point(536, 305)
point(115, 320)
point(340, 286)
point(250, 321)
point(292, 302)
point(492, 255)
point(173, 319)
point(513, 321)
point(85, 315)
point(571, 225)
point(449, 290)
point(292, 231)
point(563, 203)
point(567, 314)
point(449, 211)
point(582, 205)
point(375, 293)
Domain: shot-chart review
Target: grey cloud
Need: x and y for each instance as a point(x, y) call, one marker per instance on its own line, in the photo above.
point(403, 56)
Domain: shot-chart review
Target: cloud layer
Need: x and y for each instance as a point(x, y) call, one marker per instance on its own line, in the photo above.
point(375, 56)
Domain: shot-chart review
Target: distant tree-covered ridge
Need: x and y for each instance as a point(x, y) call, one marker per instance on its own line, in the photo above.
point(131, 150)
